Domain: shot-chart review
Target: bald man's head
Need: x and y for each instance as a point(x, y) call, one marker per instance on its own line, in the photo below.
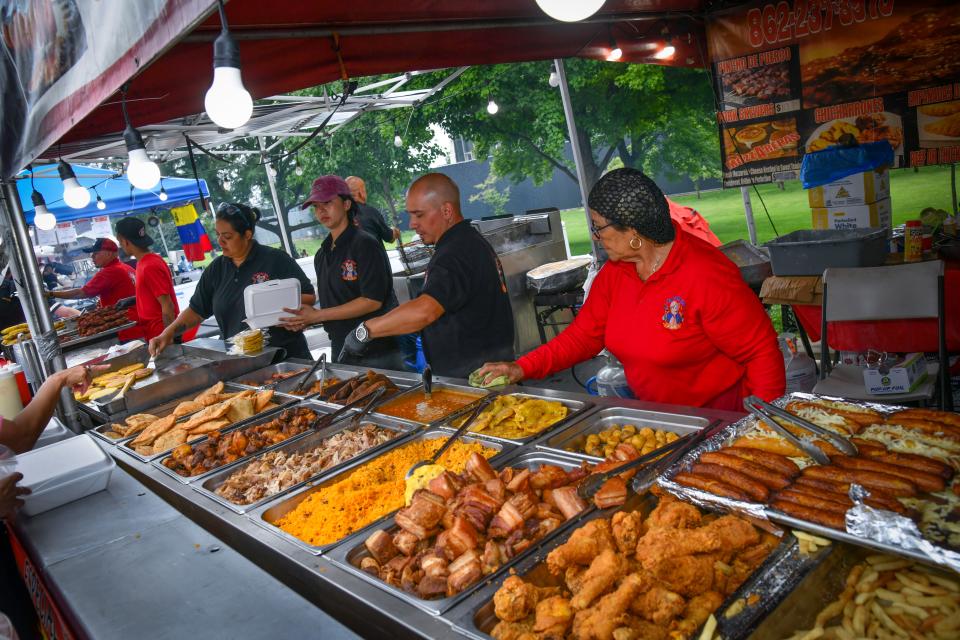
point(433, 202)
point(358, 189)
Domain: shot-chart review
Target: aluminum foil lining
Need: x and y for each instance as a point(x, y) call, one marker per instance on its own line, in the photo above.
point(884, 527)
point(893, 529)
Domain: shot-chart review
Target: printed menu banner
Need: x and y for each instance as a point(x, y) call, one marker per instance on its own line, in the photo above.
point(801, 76)
point(100, 226)
point(66, 233)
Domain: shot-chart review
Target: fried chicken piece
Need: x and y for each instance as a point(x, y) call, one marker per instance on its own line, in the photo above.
point(637, 629)
point(516, 599)
point(522, 630)
point(554, 616)
point(584, 545)
point(674, 514)
point(604, 572)
point(727, 533)
point(600, 621)
point(573, 577)
point(627, 529)
point(658, 605)
point(744, 565)
point(698, 610)
point(687, 575)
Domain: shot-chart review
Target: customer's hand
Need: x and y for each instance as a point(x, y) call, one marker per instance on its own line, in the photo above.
point(301, 318)
point(492, 370)
point(161, 342)
point(10, 494)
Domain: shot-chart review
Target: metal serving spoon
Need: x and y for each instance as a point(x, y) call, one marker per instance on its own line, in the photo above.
point(477, 410)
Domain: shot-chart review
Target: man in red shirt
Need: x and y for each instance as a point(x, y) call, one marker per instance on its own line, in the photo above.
point(156, 300)
point(112, 283)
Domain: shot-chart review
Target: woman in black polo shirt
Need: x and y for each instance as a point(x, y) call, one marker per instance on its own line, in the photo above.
point(354, 280)
point(244, 262)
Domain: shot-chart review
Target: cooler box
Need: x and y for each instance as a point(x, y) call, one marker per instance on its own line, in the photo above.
point(876, 214)
point(858, 189)
point(63, 472)
point(264, 302)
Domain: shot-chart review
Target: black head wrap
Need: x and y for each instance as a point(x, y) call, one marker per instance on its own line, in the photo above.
point(629, 198)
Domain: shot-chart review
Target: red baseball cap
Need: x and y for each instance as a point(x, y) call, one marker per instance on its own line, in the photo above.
point(102, 244)
point(326, 188)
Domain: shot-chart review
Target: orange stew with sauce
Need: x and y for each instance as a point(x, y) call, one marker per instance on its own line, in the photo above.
point(415, 406)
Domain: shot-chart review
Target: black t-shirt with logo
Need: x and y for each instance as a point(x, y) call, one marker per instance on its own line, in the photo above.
point(465, 277)
point(353, 267)
point(219, 293)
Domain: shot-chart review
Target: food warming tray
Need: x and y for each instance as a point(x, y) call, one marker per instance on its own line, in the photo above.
point(352, 551)
point(261, 377)
point(575, 435)
point(575, 409)
point(261, 418)
point(269, 513)
point(212, 482)
point(779, 574)
point(460, 388)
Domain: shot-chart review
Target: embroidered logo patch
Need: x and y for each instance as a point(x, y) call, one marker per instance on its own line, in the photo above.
point(348, 270)
point(260, 276)
point(673, 310)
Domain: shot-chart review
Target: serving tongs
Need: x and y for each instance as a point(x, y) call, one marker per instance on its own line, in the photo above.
point(474, 414)
point(767, 413)
point(427, 381)
point(322, 363)
point(328, 418)
point(590, 485)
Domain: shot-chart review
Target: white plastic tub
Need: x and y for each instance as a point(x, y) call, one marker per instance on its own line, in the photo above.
point(63, 472)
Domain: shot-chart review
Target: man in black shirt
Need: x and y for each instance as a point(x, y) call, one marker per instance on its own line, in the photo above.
point(464, 310)
point(369, 218)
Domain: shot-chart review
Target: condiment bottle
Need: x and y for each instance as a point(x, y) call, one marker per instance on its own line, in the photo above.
point(912, 241)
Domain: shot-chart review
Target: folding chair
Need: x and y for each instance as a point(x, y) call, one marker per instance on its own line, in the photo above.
point(898, 292)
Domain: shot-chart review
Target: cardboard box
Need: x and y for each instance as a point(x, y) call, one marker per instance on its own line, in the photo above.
point(877, 214)
point(903, 377)
point(792, 290)
point(858, 189)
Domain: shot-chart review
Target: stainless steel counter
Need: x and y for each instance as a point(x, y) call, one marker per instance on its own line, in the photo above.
point(122, 563)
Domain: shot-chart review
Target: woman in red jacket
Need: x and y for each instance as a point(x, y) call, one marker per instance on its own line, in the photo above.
point(671, 307)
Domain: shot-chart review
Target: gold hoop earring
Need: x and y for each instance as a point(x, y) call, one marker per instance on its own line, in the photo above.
point(638, 245)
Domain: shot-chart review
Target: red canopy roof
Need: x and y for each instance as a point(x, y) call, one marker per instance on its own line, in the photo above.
point(290, 45)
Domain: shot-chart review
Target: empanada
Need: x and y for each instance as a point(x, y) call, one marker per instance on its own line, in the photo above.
point(941, 109)
point(949, 126)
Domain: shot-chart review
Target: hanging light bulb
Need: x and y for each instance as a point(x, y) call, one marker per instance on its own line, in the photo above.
point(142, 172)
point(163, 194)
point(554, 79)
point(42, 218)
point(397, 141)
point(667, 51)
point(297, 169)
point(570, 10)
point(75, 195)
point(227, 102)
point(272, 170)
point(492, 107)
point(100, 203)
point(615, 52)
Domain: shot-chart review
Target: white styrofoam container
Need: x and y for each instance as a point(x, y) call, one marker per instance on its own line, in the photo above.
point(63, 472)
point(54, 432)
point(264, 302)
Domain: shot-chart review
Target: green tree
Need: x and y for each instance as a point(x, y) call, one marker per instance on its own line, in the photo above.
point(621, 110)
point(491, 195)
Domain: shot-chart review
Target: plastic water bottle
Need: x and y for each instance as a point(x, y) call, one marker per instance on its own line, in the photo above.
point(801, 369)
point(611, 380)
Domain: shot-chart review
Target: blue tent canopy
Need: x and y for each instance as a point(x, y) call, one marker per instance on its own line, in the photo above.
point(114, 190)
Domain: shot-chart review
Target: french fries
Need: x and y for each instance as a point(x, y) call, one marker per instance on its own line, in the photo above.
point(809, 543)
point(890, 598)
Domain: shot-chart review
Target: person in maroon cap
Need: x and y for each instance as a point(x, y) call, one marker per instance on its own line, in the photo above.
point(354, 280)
point(113, 282)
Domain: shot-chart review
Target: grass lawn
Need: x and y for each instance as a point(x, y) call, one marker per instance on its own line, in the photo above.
point(910, 193)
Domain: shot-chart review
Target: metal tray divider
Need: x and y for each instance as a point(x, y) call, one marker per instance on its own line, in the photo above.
point(257, 515)
point(403, 430)
point(157, 461)
point(341, 554)
point(584, 408)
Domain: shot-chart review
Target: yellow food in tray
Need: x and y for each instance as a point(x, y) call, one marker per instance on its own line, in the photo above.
point(643, 439)
point(516, 417)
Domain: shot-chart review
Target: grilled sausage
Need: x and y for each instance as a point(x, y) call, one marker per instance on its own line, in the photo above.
point(772, 461)
point(877, 451)
point(710, 485)
point(924, 481)
point(869, 479)
point(770, 479)
point(878, 498)
point(812, 502)
point(753, 488)
point(826, 518)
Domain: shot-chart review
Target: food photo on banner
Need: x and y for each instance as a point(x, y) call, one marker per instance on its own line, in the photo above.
point(798, 77)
